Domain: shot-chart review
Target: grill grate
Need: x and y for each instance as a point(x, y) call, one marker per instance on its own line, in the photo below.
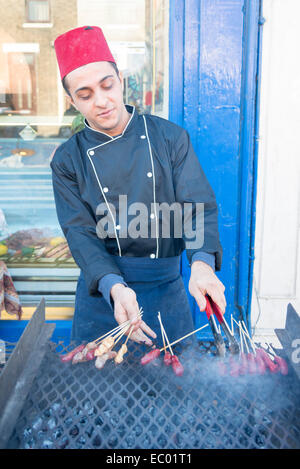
point(131, 406)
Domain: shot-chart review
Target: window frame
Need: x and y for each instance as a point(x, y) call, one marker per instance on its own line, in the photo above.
point(28, 20)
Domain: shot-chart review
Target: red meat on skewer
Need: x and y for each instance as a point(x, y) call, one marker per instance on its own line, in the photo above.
point(69, 356)
point(167, 359)
point(150, 356)
point(177, 366)
point(273, 367)
point(282, 364)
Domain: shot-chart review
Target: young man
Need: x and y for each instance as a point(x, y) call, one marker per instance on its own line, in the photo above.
point(122, 163)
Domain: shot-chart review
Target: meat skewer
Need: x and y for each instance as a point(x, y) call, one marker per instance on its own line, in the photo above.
point(250, 357)
point(167, 356)
point(243, 359)
point(98, 348)
point(150, 356)
point(273, 367)
point(117, 329)
point(109, 342)
point(259, 362)
point(233, 344)
point(94, 349)
point(262, 357)
point(155, 352)
point(282, 364)
point(100, 361)
point(120, 355)
point(70, 355)
point(176, 365)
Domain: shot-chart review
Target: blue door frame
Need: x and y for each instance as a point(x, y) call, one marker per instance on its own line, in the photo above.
point(214, 94)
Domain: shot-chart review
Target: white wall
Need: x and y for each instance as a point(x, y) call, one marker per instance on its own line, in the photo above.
point(276, 267)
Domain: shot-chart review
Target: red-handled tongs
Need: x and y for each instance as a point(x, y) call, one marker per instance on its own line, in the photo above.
point(233, 343)
point(219, 342)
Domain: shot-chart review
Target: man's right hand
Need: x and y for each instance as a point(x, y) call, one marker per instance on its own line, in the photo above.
point(126, 307)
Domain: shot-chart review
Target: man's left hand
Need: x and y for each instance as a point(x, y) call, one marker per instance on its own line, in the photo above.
point(204, 281)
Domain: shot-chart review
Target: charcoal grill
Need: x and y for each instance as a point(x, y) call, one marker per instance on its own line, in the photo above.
point(131, 406)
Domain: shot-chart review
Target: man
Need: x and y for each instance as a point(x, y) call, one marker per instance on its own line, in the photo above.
point(143, 160)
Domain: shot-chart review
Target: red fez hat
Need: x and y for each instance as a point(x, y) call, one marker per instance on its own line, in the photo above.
point(81, 46)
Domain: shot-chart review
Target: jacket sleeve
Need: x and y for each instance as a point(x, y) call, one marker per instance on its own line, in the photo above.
point(79, 227)
point(200, 211)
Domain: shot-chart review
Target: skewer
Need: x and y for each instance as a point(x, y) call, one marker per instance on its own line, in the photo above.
point(129, 335)
point(116, 329)
point(241, 341)
point(252, 364)
point(243, 358)
point(247, 348)
point(163, 329)
point(121, 334)
point(162, 333)
point(246, 330)
point(253, 346)
point(184, 337)
point(170, 348)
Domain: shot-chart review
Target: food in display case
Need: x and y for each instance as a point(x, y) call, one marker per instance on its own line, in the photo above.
point(35, 246)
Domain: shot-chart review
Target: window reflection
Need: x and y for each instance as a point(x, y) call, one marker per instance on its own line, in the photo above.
point(35, 116)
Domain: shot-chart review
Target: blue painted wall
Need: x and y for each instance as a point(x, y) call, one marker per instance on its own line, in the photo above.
point(213, 54)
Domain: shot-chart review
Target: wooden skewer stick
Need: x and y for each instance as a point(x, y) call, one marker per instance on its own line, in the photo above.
point(163, 329)
point(120, 326)
point(244, 335)
point(241, 339)
point(125, 328)
point(248, 336)
point(129, 335)
point(187, 335)
point(122, 333)
point(162, 333)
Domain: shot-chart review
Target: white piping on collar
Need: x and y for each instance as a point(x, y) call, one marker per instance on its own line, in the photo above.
point(154, 196)
point(112, 139)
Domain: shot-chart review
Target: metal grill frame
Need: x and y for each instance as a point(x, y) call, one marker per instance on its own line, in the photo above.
point(130, 406)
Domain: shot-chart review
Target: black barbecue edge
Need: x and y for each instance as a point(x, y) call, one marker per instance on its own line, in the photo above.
point(20, 370)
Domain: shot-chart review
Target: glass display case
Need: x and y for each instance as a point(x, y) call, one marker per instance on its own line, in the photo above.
point(31, 242)
point(36, 117)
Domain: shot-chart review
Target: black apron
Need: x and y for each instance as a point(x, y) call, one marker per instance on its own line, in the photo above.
point(158, 286)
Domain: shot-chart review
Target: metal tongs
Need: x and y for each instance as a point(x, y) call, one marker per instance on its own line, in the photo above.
point(214, 309)
point(219, 342)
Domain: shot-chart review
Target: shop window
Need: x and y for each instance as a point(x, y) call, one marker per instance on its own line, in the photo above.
point(37, 11)
point(21, 95)
point(36, 117)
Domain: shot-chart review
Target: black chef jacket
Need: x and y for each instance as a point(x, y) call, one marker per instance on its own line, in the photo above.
point(152, 162)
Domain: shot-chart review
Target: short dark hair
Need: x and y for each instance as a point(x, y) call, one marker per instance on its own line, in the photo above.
point(64, 82)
